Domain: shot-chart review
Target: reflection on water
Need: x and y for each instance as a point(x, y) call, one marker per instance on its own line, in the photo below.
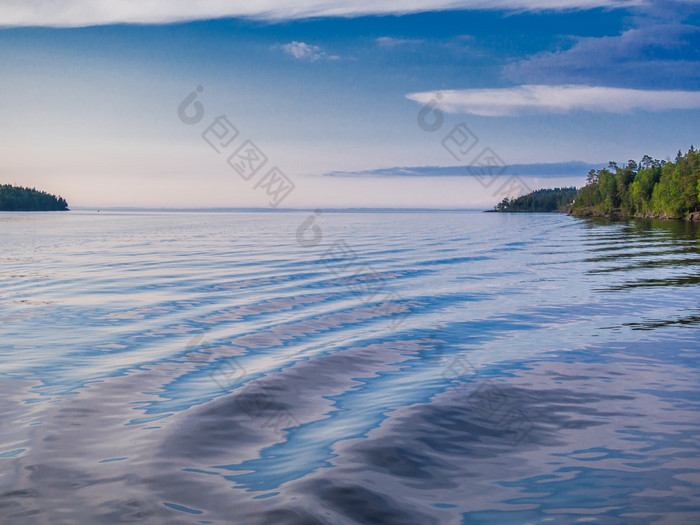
point(209, 368)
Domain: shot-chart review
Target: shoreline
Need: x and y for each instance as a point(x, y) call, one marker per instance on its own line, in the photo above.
point(619, 214)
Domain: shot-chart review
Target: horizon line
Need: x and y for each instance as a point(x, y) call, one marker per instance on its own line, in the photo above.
point(268, 209)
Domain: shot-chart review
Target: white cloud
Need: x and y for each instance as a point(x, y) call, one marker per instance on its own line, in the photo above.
point(303, 51)
point(556, 99)
point(390, 41)
point(78, 13)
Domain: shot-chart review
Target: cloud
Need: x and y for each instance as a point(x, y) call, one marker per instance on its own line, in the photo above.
point(546, 170)
point(663, 55)
point(501, 102)
point(304, 51)
point(79, 13)
point(390, 41)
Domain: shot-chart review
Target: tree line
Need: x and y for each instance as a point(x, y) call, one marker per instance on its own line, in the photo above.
point(17, 198)
point(650, 188)
point(545, 200)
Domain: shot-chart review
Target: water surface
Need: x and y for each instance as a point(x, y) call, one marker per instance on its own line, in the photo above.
point(409, 368)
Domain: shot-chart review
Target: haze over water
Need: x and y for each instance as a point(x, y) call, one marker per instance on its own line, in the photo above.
point(460, 367)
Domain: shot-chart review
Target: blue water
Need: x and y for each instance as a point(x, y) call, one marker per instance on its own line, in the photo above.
point(402, 368)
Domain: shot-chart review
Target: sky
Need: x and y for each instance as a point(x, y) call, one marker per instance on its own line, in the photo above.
point(331, 104)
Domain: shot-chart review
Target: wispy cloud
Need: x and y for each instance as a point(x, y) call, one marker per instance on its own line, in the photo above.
point(77, 13)
point(501, 102)
point(304, 51)
point(390, 41)
point(546, 170)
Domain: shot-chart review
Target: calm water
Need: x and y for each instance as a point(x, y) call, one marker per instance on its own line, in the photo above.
point(411, 368)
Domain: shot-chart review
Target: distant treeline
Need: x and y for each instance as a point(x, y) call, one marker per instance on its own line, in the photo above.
point(557, 199)
point(14, 198)
point(652, 188)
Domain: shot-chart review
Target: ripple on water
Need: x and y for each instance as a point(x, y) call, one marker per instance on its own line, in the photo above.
point(458, 368)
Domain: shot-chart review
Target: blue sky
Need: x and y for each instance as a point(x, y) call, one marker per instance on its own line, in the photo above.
point(90, 93)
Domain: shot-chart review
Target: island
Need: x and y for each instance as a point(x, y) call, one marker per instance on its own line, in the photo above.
point(17, 198)
point(652, 188)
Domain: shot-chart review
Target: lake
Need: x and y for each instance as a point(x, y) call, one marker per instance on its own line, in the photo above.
point(346, 368)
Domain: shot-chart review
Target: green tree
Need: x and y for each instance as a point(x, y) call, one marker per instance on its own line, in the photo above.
point(14, 198)
point(651, 187)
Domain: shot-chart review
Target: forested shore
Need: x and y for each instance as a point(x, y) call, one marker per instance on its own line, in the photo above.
point(544, 200)
point(650, 188)
point(17, 198)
